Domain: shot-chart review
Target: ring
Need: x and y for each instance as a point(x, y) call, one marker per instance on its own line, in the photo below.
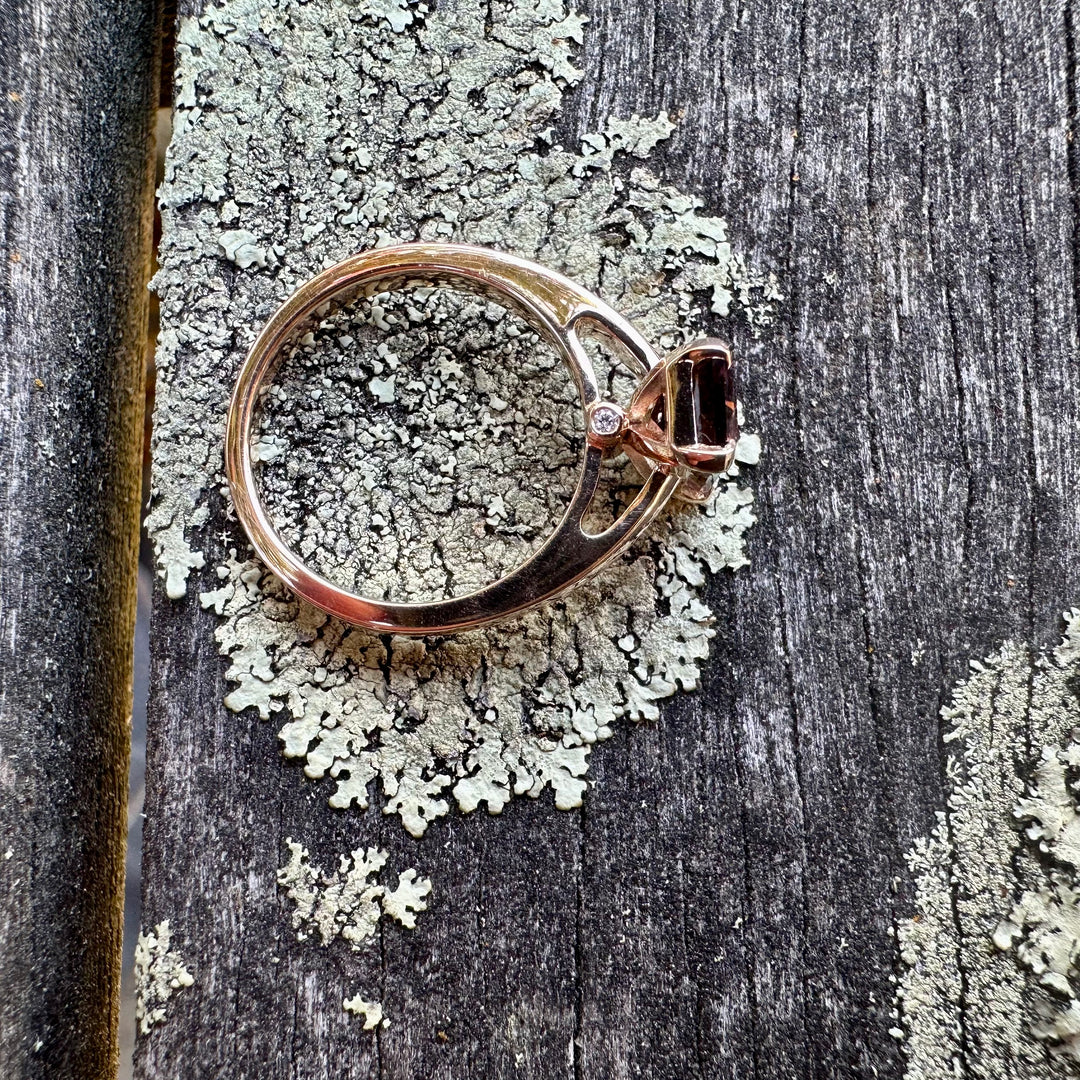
point(679, 429)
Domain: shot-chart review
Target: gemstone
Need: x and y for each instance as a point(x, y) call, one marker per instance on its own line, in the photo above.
point(606, 420)
point(701, 397)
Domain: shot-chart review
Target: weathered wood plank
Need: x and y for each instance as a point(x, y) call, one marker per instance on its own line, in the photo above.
point(77, 94)
point(725, 902)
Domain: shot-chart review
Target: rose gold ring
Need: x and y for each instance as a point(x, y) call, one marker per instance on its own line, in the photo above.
point(679, 429)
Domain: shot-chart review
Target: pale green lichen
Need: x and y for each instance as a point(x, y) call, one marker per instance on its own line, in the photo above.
point(302, 137)
point(240, 247)
point(990, 956)
point(371, 1011)
point(348, 902)
point(159, 973)
point(173, 553)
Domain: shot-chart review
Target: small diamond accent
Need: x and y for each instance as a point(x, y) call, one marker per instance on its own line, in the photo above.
point(606, 420)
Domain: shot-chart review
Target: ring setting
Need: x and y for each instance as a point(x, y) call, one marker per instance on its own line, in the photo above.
point(679, 428)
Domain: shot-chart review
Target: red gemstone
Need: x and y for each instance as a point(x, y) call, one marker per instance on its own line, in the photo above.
point(701, 397)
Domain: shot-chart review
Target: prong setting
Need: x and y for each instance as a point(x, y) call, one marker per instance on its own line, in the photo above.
point(683, 416)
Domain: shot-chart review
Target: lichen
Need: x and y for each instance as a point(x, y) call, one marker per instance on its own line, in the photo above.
point(990, 955)
point(446, 446)
point(371, 1011)
point(348, 902)
point(159, 973)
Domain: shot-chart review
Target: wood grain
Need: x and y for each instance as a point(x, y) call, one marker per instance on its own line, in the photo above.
point(77, 92)
point(723, 904)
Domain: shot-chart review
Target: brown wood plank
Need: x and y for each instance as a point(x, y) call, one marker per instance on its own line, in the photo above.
point(77, 98)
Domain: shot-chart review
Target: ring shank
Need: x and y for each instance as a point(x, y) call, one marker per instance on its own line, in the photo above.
point(555, 307)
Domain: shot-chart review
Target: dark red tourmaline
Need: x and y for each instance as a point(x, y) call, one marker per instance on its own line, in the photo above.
point(701, 397)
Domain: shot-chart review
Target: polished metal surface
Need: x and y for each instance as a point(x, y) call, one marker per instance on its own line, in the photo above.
point(560, 311)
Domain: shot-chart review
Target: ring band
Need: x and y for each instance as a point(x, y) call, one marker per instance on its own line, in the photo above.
point(679, 429)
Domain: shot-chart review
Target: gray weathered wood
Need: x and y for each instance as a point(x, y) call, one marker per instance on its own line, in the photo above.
point(723, 904)
point(77, 93)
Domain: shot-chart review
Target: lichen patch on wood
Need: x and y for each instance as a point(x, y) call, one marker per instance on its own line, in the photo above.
point(433, 125)
point(160, 972)
point(990, 971)
point(348, 902)
point(371, 1011)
